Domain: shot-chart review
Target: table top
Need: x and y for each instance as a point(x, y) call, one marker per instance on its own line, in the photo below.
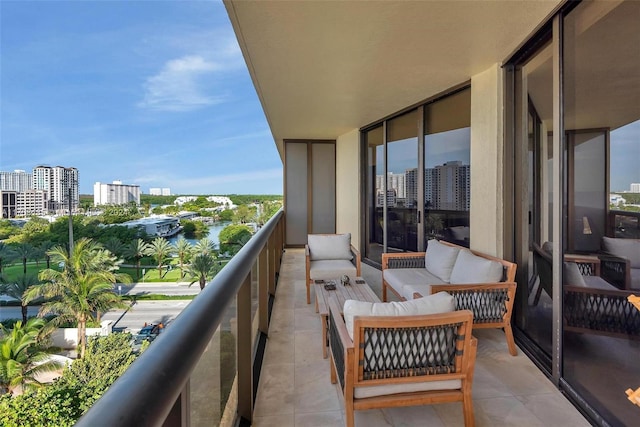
point(357, 290)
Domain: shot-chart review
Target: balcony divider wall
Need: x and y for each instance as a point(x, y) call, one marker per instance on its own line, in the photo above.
point(309, 189)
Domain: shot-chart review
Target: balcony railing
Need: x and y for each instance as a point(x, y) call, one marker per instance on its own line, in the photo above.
point(176, 381)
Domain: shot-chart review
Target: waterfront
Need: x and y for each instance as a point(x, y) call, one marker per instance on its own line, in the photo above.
point(214, 232)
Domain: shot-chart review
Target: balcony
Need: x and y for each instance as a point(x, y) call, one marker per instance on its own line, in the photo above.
point(178, 380)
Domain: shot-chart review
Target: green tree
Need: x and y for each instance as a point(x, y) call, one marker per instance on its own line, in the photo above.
point(160, 249)
point(7, 229)
point(114, 245)
point(183, 249)
point(18, 291)
point(6, 254)
point(233, 237)
point(24, 251)
point(83, 288)
point(23, 355)
point(136, 251)
point(202, 268)
point(64, 401)
point(226, 215)
point(244, 214)
point(204, 246)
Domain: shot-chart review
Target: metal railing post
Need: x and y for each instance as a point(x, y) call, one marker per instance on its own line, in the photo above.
point(263, 291)
point(245, 351)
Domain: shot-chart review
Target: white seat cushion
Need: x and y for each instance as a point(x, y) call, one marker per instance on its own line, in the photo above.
point(470, 268)
point(371, 391)
point(439, 259)
point(408, 291)
point(331, 269)
point(401, 278)
point(329, 246)
point(441, 302)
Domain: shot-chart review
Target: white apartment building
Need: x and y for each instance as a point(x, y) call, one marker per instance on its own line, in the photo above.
point(635, 188)
point(60, 183)
point(18, 180)
point(160, 191)
point(116, 193)
point(31, 202)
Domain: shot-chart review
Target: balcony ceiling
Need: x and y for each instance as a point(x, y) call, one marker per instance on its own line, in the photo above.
point(323, 68)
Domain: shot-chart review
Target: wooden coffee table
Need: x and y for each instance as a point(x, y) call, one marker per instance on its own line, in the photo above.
point(357, 290)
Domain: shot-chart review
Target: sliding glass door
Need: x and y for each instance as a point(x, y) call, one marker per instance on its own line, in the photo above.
point(418, 180)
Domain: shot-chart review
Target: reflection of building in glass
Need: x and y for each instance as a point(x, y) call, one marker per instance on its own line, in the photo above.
point(391, 198)
point(395, 181)
point(446, 187)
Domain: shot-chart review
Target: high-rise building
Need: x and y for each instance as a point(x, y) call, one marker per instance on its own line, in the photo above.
point(32, 202)
point(115, 194)
point(62, 185)
point(635, 188)
point(18, 180)
point(8, 204)
point(160, 191)
point(446, 187)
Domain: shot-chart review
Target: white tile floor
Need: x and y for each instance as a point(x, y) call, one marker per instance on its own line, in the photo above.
point(295, 390)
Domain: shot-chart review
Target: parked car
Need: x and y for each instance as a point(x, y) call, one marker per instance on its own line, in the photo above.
point(149, 332)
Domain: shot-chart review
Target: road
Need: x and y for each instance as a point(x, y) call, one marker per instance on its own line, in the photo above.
point(141, 312)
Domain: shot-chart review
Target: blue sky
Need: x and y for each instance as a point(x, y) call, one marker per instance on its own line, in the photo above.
point(153, 93)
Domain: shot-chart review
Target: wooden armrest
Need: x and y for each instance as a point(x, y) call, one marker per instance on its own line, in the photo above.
point(335, 311)
point(307, 253)
point(357, 259)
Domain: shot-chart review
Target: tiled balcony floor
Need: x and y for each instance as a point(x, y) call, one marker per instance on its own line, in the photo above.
point(295, 389)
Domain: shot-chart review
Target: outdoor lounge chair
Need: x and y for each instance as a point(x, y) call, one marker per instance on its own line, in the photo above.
point(403, 360)
point(329, 257)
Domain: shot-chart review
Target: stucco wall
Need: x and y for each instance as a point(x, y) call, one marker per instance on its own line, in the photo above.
point(487, 161)
point(347, 185)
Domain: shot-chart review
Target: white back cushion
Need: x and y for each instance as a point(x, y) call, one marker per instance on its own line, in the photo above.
point(626, 248)
point(329, 246)
point(470, 268)
point(572, 275)
point(441, 302)
point(439, 259)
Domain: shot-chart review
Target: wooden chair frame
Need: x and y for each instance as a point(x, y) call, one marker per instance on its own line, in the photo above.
point(347, 363)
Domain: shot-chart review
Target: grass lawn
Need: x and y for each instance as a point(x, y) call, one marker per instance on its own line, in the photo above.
point(14, 271)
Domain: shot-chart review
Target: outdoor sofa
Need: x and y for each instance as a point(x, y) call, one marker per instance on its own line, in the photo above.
point(481, 283)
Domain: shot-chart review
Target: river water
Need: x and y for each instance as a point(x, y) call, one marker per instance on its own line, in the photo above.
point(214, 232)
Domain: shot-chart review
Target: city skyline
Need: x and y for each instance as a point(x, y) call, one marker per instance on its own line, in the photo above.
point(149, 93)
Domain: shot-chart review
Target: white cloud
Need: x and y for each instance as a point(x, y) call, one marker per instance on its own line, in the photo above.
point(177, 86)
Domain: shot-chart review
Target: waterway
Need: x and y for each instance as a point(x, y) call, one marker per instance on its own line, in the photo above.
point(214, 232)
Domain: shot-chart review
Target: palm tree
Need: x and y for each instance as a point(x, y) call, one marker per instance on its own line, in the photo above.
point(24, 251)
point(201, 269)
point(82, 288)
point(5, 253)
point(18, 289)
point(183, 249)
point(23, 355)
point(160, 249)
point(137, 250)
point(204, 246)
point(114, 245)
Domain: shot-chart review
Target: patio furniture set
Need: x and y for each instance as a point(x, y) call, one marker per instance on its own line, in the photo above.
point(419, 350)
